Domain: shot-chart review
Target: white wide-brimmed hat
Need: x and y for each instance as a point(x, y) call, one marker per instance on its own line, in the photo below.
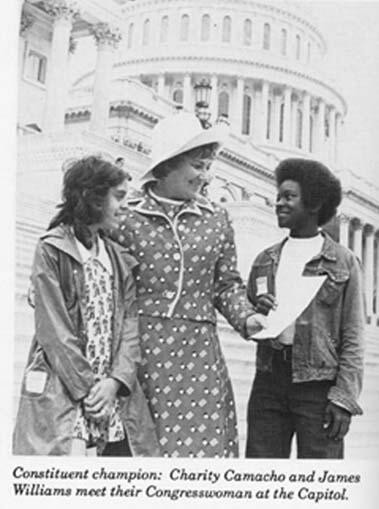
point(179, 133)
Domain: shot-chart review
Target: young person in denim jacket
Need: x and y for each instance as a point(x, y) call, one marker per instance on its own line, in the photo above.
point(309, 377)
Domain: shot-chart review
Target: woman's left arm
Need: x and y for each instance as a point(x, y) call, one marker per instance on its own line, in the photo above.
point(230, 293)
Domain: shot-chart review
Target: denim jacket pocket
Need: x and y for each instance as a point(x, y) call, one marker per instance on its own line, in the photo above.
point(333, 286)
point(323, 350)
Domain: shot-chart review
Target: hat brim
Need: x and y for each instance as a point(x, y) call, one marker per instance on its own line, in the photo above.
point(215, 134)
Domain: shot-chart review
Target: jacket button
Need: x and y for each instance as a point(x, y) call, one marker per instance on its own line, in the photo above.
point(176, 256)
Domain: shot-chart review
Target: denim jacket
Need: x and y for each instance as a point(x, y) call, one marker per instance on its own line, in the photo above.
point(328, 340)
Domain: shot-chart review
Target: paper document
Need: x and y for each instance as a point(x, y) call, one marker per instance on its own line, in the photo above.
point(290, 306)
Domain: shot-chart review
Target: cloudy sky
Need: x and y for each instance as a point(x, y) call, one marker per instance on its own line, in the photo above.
point(352, 33)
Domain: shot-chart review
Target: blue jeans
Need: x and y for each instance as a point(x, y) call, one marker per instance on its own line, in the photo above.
point(278, 409)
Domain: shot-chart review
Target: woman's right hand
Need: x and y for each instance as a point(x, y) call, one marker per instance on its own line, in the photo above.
point(265, 303)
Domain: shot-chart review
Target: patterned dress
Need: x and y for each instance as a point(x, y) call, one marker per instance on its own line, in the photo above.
point(187, 270)
point(98, 320)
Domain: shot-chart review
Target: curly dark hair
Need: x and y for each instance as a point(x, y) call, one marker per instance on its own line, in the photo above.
point(86, 183)
point(317, 183)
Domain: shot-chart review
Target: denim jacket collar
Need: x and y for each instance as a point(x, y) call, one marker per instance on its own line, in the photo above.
point(328, 250)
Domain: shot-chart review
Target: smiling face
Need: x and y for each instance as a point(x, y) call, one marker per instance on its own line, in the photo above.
point(185, 181)
point(292, 213)
point(115, 200)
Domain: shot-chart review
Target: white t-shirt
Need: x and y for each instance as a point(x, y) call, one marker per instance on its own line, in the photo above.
point(295, 254)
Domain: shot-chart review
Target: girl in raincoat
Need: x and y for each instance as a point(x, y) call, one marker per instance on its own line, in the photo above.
point(79, 394)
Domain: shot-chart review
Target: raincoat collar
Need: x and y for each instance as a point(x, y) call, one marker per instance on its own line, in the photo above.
point(63, 238)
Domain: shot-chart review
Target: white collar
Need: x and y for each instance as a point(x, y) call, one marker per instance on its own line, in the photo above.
point(102, 255)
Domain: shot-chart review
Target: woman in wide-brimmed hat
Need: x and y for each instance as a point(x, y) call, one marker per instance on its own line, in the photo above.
point(185, 247)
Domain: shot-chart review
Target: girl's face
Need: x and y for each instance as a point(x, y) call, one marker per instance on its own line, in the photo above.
point(114, 202)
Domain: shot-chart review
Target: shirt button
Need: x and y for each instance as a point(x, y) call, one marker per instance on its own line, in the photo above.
point(176, 256)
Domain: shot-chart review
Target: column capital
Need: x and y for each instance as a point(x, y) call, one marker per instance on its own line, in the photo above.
point(369, 230)
point(61, 9)
point(26, 22)
point(344, 218)
point(106, 35)
point(357, 224)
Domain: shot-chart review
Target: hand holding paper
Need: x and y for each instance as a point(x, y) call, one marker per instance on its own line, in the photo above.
point(290, 307)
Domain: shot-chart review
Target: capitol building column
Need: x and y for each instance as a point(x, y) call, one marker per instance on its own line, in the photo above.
point(264, 111)
point(332, 135)
point(337, 135)
point(294, 106)
point(305, 133)
point(107, 39)
point(376, 287)
point(344, 230)
point(63, 14)
point(320, 138)
point(357, 239)
point(239, 104)
point(287, 116)
point(187, 92)
point(368, 267)
point(277, 101)
point(161, 85)
point(214, 98)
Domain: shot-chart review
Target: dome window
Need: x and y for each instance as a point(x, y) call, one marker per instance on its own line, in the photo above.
point(283, 42)
point(247, 32)
point(298, 47)
point(36, 67)
point(146, 32)
point(226, 29)
point(266, 36)
point(184, 27)
point(205, 27)
point(177, 96)
point(223, 104)
point(164, 30)
point(130, 35)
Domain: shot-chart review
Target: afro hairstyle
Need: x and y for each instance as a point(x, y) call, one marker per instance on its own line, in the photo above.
point(319, 187)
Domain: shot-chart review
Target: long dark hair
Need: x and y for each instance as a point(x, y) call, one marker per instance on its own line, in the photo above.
point(86, 183)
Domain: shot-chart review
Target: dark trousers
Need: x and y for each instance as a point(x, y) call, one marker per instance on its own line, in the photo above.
point(121, 448)
point(278, 409)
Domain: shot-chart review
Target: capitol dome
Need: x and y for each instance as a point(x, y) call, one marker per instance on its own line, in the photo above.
point(258, 64)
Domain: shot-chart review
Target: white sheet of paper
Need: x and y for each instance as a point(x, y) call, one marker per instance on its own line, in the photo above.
point(290, 306)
